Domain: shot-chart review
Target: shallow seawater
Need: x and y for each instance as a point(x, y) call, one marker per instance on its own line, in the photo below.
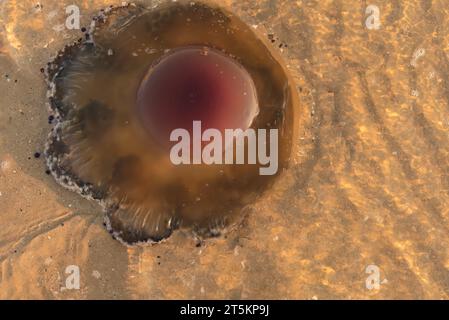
point(366, 185)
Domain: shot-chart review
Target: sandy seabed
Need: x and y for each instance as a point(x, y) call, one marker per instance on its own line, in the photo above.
point(369, 184)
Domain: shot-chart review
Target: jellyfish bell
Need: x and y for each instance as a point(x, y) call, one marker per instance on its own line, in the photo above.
point(139, 75)
point(196, 84)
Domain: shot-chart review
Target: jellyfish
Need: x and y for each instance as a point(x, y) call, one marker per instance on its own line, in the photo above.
point(138, 74)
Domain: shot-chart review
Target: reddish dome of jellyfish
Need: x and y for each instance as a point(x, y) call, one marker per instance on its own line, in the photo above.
point(196, 84)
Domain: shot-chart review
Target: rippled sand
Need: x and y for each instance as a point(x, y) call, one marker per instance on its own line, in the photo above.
point(369, 184)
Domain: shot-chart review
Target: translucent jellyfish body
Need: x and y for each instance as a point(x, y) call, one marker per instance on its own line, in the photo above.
point(138, 75)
